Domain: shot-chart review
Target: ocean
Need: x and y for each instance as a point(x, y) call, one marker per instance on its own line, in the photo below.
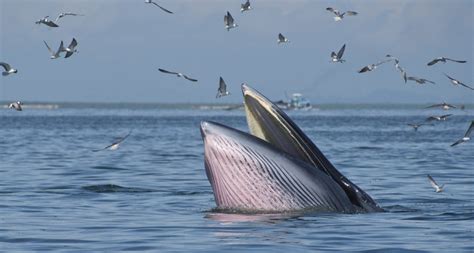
point(152, 193)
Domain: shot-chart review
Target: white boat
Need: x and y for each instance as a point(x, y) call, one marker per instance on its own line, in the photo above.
point(296, 102)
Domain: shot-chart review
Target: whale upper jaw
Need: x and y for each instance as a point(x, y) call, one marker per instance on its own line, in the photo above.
point(268, 122)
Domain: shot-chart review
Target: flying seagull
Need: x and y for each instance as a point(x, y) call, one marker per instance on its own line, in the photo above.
point(338, 15)
point(229, 22)
point(443, 59)
point(222, 90)
point(178, 74)
point(338, 57)
point(16, 106)
point(371, 67)
point(63, 14)
point(419, 80)
point(8, 69)
point(151, 2)
point(443, 105)
point(71, 49)
point(55, 55)
point(456, 82)
point(435, 185)
point(438, 118)
point(115, 145)
point(245, 6)
point(47, 22)
point(416, 126)
point(282, 39)
point(398, 67)
point(466, 137)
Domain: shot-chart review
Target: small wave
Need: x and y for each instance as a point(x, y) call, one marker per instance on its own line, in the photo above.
point(107, 168)
point(368, 148)
point(390, 250)
point(112, 188)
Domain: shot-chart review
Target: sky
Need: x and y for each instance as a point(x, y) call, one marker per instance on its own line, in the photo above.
point(122, 43)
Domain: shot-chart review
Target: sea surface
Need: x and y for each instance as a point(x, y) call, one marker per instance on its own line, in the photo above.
point(152, 194)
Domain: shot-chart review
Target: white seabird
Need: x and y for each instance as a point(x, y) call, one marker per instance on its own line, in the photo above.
point(229, 22)
point(8, 69)
point(163, 9)
point(178, 74)
point(71, 49)
point(115, 145)
point(55, 55)
point(16, 106)
point(47, 22)
point(443, 59)
point(338, 57)
point(457, 82)
point(435, 185)
point(282, 39)
point(245, 6)
point(338, 15)
point(222, 90)
point(438, 118)
point(371, 67)
point(466, 137)
point(443, 105)
point(63, 14)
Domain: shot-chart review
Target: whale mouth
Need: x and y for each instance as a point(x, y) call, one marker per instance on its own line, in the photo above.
point(270, 123)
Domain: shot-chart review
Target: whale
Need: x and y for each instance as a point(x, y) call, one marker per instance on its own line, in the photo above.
point(275, 167)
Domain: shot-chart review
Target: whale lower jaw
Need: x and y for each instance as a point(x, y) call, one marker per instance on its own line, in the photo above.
point(247, 173)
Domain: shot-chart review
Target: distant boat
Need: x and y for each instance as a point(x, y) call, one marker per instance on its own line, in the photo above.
point(296, 102)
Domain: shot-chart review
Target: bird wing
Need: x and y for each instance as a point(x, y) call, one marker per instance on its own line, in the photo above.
point(382, 62)
point(364, 69)
point(404, 76)
point(433, 182)
point(426, 80)
point(457, 142)
point(432, 106)
point(167, 72)
point(458, 61)
point(230, 18)
point(51, 23)
point(163, 9)
point(246, 5)
point(61, 47)
point(465, 85)
point(222, 85)
point(190, 79)
point(68, 54)
point(336, 12)
point(281, 37)
point(226, 19)
point(333, 55)
point(49, 49)
point(433, 62)
point(351, 13)
point(452, 79)
point(6, 66)
point(73, 44)
point(341, 51)
point(469, 130)
point(118, 141)
point(412, 78)
point(445, 116)
point(59, 16)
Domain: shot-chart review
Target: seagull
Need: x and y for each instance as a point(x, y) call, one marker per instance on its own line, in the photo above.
point(339, 16)
point(435, 185)
point(371, 67)
point(63, 14)
point(420, 80)
point(398, 67)
point(151, 2)
point(245, 6)
point(416, 126)
point(55, 55)
point(338, 57)
point(443, 105)
point(47, 22)
point(8, 69)
point(115, 145)
point(456, 82)
point(282, 39)
point(443, 59)
point(222, 90)
point(178, 74)
point(438, 118)
point(16, 106)
point(229, 22)
point(467, 135)
point(71, 48)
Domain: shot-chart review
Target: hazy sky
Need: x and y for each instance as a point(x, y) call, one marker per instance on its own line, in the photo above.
point(122, 43)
